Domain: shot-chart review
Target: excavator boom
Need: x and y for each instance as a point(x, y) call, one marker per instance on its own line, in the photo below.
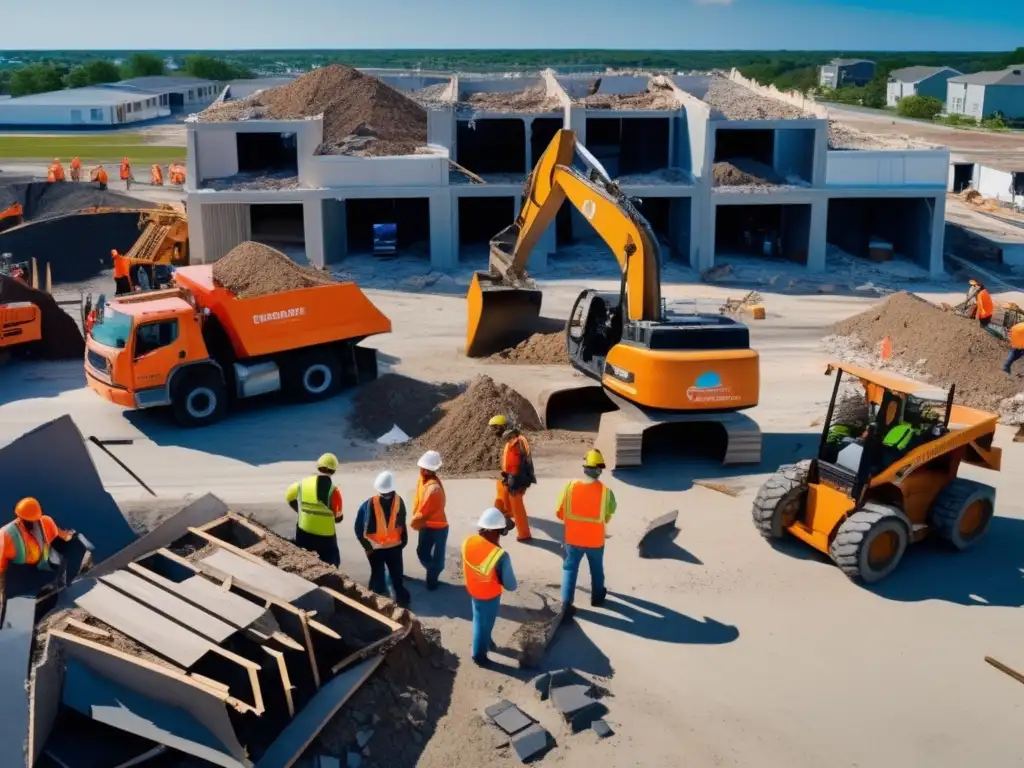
point(504, 303)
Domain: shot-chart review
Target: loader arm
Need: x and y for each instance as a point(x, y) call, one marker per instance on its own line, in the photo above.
point(503, 303)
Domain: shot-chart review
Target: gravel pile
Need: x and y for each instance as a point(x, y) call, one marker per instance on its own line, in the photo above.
point(736, 102)
point(393, 399)
point(742, 172)
point(946, 348)
point(61, 338)
point(253, 269)
point(844, 137)
point(539, 349)
point(533, 99)
point(353, 104)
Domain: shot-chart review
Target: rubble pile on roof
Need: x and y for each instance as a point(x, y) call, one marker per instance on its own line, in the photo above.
point(660, 94)
point(532, 99)
point(736, 102)
point(187, 639)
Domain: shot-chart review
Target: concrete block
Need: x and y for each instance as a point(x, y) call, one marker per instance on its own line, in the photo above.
point(512, 720)
point(657, 526)
point(542, 684)
point(602, 729)
point(496, 709)
point(531, 744)
point(560, 678)
point(576, 706)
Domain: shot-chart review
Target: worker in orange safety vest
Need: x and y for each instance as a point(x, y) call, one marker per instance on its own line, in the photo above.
point(381, 530)
point(586, 506)
point(156, 175)
point(122, 268)
point(76, 169)
point(428, 517)
point(516, 475)
point(984, 307)
point(487, 571)
point(28, 538)
point(99, 175)
point(126, 173)
point(1016, 336)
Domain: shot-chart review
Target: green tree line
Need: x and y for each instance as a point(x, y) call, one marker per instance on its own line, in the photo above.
point(53, 75)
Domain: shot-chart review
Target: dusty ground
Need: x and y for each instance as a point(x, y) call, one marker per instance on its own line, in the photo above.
point(699, 646)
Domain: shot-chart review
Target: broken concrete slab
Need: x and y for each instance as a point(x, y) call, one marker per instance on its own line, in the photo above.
point(577, 706)
point(199, 512)
point(78, 501)
point(258, 575)
point(602, 729)
point(512, 720)
point(532, 743)
point(115, 705)
point(496, 709)
point(202, 592)
point(85, 743)
point(658, 526)
point(15, 650)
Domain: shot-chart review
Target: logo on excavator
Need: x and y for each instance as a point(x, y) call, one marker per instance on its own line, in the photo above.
point(709, 389)
point(284, 314)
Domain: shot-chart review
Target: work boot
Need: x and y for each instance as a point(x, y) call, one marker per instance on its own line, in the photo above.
point(597, 598)
point(525, 539)
point(432, 583)
point(569, 614)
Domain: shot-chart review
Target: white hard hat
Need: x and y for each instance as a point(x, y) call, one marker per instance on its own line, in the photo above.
point(430, 461)
point(492, 520)
point(385, 483)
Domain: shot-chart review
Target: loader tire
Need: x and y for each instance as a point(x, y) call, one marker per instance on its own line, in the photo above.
point(314, 374)
point(963, 512)
point(199, 398)
point(871, 542)
point(781, 499)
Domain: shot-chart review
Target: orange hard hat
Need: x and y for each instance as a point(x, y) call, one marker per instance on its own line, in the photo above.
point(28, 509)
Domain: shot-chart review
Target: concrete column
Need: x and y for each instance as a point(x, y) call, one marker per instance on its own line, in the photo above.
point(313, 224)
point(335, 221)
point(817, 243)
point(444, 240)
point(704, 233)
point(196, 235)
point(441, 128)
point(936, 266)
point(191, 161)
point(820, 155)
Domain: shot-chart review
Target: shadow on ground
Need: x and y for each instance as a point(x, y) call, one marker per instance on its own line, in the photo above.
point(642, 618)
point(26, 380)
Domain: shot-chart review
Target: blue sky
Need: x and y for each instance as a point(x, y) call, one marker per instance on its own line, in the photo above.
point(635, 24)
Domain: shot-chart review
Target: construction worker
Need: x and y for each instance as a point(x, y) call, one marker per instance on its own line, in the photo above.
point(122, 268)
point(99, 175)
point(381, 530)
point(1016, 336)
point(586, 506)
point(516, 475)
point(318, 503)
point(984, 306)
point(28, 538)
point(428, 517)
point(76, 169)
point(57, 170)
point(487, 570)
point(126, 173)
point(156, 176)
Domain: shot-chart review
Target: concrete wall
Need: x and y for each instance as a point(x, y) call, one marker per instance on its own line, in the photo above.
point(407, 83)
point(793, 98)
point(213, 147)
point(795, 153)
point(887, 168)
point(223, 226)
point(575, 87)
point(335, 228)
point(318, 171)
point(497, 84)
point(1007, 99)
point(217, 154)
point(992, 182)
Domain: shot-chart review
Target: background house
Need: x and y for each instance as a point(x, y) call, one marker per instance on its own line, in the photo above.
point(918, 81)
point(183, 94)
point(94, 107)
point(840, 72)
point(983, 94)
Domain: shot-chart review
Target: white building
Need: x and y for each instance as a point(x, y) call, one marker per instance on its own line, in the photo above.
point(663, 154)
point(181, 94)
point(93, 107)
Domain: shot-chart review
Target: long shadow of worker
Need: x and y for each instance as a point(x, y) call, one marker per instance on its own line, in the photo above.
point(664, 547)
point(655, 622)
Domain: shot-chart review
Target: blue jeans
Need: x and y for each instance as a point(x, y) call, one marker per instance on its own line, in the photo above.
point(485, 613)
point(571, 570)
point(430, 551)
point(1015, 355)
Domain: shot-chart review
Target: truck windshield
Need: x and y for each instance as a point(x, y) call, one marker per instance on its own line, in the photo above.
point(115, 329)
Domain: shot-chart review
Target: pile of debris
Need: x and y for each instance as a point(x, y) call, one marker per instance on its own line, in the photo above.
point(361, 114)
point(533, 99)
point(252, 269)
point(845, 137)
point(939, 345)
point(432, 95)
point(659, 95)
point(394, 400)
point(538, 349)
point(744, 172)
point(736, 102)
point(61, 338)
point(41, 200)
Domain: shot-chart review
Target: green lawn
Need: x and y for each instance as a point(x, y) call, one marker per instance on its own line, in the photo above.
point(91, 149)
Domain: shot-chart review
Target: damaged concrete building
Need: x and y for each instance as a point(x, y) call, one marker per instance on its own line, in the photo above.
point(719, 172)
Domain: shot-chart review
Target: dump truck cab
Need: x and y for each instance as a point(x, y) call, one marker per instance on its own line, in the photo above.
point(885, 475)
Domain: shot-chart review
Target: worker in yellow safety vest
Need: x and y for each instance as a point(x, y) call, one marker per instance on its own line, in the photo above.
point(487, 570)
point(586, 506)
point(381, 530)
point(318, 503)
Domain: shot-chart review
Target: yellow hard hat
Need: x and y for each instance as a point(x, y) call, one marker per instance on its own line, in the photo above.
point(497, 421)
point(593, 459)
point(327, 461)
point(973, 282)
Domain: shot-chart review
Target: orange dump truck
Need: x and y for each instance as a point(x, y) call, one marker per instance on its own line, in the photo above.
point(197, 346)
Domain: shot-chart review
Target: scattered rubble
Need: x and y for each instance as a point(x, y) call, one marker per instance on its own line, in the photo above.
point(659, 95)
point(742, 172)
point(352, 104)
point(394, 399)
point(939, 346)
point(261, 180)
point(432, 95)
point(845, 137)
point(539, 349)
point(252, 269)
point(62, 340)
point(532, 99)
point(735, 102)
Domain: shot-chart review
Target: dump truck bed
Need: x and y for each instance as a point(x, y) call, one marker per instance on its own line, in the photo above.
point(278, 322)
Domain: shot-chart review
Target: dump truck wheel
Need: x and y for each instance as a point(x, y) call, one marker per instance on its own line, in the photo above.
point(870, 543)
point(781, 499)
point(200, 399)
point(963, 512)
point(314, 375)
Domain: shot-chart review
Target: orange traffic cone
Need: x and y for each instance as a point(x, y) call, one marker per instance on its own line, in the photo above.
point(886, 349)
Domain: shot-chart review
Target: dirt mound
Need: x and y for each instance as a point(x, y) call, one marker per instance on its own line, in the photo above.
point(539, 349)
point(61, 338)
point(253, 269)
point(42, 200)
point(354, 105)
point(948, 348)
point(461, 434)
point(393, 399)
point(741, 172)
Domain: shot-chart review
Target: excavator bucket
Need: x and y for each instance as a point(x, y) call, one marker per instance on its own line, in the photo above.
point(500, 315)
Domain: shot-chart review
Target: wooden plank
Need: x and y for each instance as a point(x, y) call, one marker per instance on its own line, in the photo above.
point(363, 653)
point(394, 625)
point(169, 605)
point(202, 592)
point(286, 683)
point(159, 634)
point(81, 626)
point(260, 575)
point(1005, 669)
